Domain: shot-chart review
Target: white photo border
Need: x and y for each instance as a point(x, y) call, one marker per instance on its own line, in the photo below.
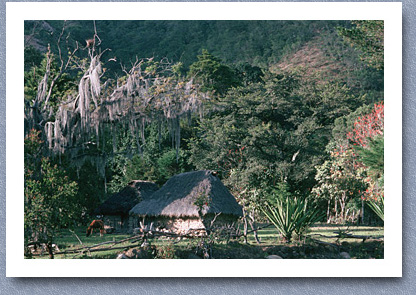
point(17, 13)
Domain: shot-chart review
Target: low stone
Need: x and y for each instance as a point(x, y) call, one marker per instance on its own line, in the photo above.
point(131, 253)
point(274, 257)
point(345, 255)
point(122, 256)
point(147, 252)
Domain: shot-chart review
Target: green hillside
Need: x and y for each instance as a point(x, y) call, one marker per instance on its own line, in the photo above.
point(257, 42)
point(312, 45)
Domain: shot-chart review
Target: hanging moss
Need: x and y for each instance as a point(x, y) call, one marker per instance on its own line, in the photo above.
point(149, 94)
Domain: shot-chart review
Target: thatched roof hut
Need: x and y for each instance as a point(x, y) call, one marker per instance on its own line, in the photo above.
point(121, 202)
point(181, 194)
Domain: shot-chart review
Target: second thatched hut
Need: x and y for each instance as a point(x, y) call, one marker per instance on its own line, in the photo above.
point(188, 203)
point(115, 210)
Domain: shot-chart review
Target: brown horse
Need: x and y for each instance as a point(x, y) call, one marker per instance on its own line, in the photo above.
point(96, 224)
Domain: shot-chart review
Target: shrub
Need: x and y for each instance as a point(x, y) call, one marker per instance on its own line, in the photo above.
point(291, 216)
point(377, 207)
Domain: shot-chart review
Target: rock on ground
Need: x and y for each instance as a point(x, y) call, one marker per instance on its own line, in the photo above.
point(345, 255)
point(122, 256)
point(274, 257)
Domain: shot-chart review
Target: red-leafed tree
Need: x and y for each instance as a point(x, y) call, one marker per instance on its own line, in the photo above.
point(355, 168)
point(368, 140)
point(367, 127)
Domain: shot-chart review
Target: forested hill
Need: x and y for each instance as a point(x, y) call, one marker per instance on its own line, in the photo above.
point(259, 43)
point(314, 46)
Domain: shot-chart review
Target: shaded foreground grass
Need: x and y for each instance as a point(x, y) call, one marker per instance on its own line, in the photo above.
point(322, 242)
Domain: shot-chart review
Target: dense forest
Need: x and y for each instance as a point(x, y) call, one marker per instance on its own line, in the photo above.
point(283, 111)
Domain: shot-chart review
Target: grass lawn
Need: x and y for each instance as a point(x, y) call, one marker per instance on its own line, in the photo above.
point(323, 241)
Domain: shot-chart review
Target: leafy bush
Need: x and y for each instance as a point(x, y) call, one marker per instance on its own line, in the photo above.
point(291, 216)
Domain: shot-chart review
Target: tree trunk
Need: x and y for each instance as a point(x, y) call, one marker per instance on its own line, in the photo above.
point(328, 212)
point(253, 226)
point(245, 226)
point(336, 210)
point(362, 211)
point(342, 204)
point(49, 248)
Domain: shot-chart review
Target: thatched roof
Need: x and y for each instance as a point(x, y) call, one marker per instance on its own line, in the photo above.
point(178, 196)
point(121, 202)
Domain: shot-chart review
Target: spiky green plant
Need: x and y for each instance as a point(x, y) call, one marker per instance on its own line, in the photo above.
point(377, 207)
point(291, 216)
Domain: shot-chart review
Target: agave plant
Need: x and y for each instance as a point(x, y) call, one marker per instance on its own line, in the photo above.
point(377, 207)
point(291, 216)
